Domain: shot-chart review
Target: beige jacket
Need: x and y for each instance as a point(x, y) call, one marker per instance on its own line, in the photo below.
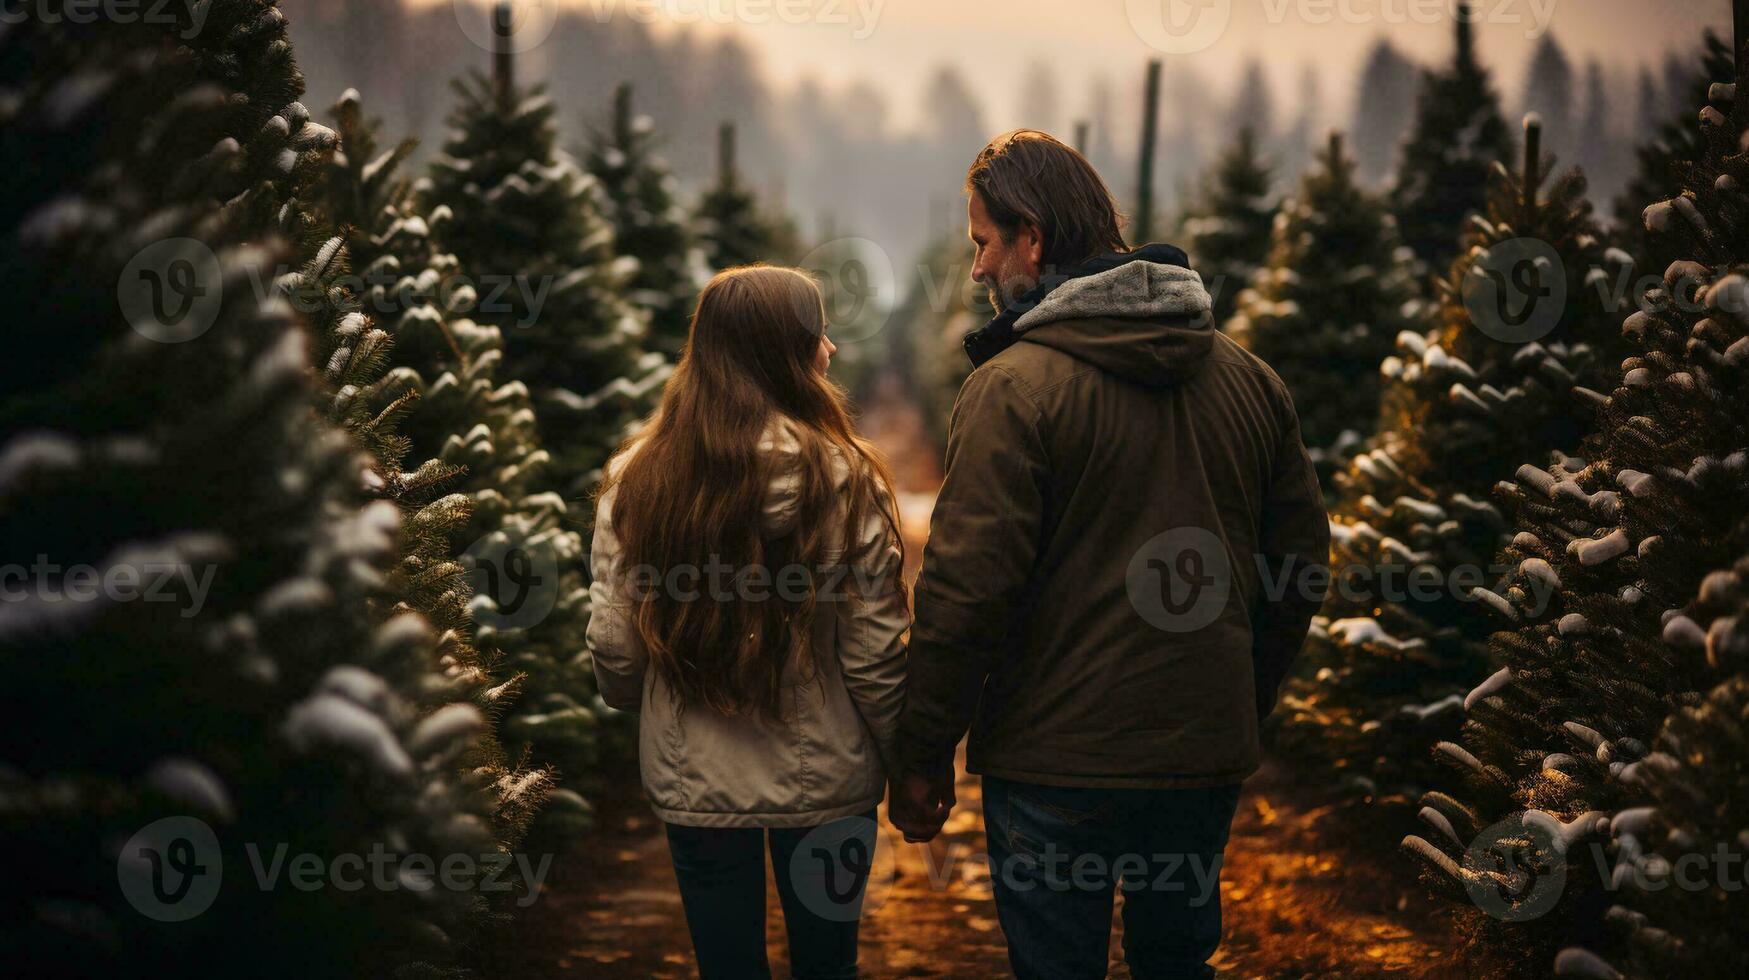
point(831, 757)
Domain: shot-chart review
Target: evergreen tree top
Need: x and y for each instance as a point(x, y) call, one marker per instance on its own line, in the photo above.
point(1326, 308)
point(621, 156)
point(734, 229)
point(1228, 232)
point(640, 199)
point(525, 218)
point(1241, 175)
point(1465, 61)
point(1334, 230)
point(507, 182)
point(1474, 368)
point(1458, 136)
point(1236, 204)
point(365, 184)
point(1667, 155)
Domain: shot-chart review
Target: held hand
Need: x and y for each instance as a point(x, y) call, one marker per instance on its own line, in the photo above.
point(919, 805)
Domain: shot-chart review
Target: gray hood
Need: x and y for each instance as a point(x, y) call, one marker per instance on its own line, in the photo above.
point(1148, 322)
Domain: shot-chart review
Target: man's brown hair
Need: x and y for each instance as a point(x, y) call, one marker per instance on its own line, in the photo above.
point(1029, 177)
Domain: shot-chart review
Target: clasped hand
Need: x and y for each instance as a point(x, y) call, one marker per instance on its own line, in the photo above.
point(919, 804)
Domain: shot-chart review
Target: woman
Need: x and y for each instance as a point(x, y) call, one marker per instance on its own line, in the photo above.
point(748, 601)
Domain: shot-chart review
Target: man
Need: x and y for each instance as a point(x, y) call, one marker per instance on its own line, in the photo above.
point(1127, 552)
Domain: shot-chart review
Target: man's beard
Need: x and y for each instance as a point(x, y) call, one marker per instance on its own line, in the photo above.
point(1008, 291)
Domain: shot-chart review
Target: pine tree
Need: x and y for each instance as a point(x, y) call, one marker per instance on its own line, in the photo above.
point(1328, 307)
point(1649, 115)
point(1385, 667)
point(648, 224)
point(1229, 233)
point(471, 420)
point(732, 227)
point(1299, 142)
point(1384, 106)
point(1637, 649)
point(1699, 791)
point(1458, 137)
point(526, 221)
point(246, 675)
point(1600, 152)
point(361, 396)
point(933, 322)
point(1549, 93)
point(1254, 106)
point(1664, 157)
point(364, 398)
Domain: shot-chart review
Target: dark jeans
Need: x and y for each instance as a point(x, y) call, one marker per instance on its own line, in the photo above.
point(1057, 854)
point(820, 872)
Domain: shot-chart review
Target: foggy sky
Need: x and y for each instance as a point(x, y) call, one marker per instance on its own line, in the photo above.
point(992, 40)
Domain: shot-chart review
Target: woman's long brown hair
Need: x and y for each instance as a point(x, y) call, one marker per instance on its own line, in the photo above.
point(693, 484)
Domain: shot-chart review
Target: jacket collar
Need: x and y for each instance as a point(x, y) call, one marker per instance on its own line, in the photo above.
point(999, 334)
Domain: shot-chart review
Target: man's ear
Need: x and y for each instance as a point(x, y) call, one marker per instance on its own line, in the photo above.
point(1033, 240)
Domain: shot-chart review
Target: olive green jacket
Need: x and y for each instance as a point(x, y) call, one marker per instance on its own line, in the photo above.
point(1103, 599)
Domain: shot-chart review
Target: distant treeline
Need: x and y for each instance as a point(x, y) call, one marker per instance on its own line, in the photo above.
point(833, 156)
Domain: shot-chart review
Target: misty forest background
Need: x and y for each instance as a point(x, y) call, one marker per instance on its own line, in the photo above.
point(387, 472)
point(803, 146)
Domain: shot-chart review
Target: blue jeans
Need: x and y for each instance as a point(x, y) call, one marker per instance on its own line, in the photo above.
point(821, 873)
point(1057, 854)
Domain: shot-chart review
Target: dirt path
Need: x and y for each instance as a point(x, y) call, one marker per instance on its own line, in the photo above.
point(1295, 904)
point(1297, 901)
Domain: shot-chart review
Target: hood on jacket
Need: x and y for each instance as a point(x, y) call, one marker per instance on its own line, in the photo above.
point(1152, 285)
point(1147, 322)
